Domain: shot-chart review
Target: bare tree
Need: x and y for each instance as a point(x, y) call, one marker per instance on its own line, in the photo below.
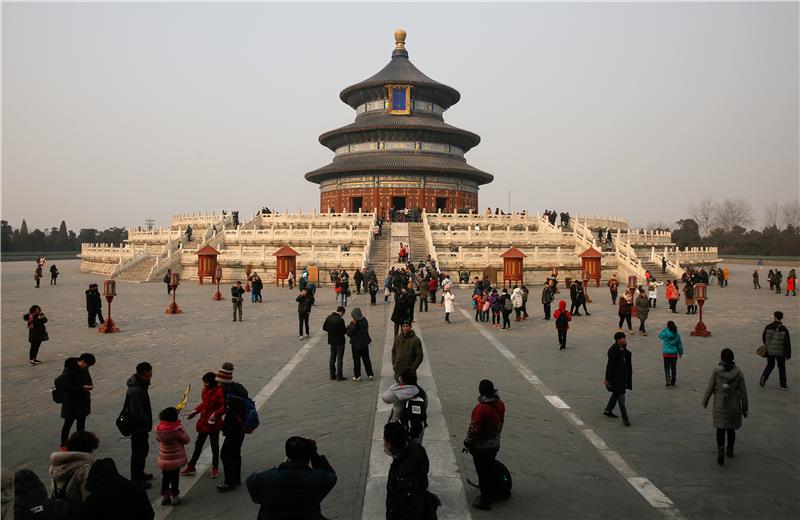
point(704, 214)
point(772, 215)
point(731, 213)
point(790, 212)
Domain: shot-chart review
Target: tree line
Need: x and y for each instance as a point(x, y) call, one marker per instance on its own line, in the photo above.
point(725, 223)
point(55, 238)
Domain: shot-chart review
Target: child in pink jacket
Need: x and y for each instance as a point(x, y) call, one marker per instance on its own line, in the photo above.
point(171, 454)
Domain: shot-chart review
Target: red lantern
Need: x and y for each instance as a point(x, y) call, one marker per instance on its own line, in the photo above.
point(701, 296)
point(174, 280)
point(631, 282)
point(218, 275)
point(109, 291)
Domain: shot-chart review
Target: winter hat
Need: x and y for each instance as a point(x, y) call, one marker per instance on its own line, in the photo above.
point(356, 313)
point(486, 388)
point(225, 373)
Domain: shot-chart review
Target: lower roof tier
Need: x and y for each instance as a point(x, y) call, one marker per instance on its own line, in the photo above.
point(399, 162)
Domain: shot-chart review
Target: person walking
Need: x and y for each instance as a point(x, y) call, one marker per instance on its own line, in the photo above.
point(779, 349)
point(140, 416)
point(483, 440)
point(53, 274)
point(642, 304)
point(562, 317)
point(76, 384)
point(619, 377)
point(358, 332)
point(407, 495)
point(525, 293)
point(756, 285)
point(728, 387)
point(725, 274)
point(94, 305)
point(211, 410)
point(791, 283)
point(171, 454)
point(406, 351)
point(336, 328)
point(423, 294)
point(777, 278)
point(372, 287)
point(358, 277)
point(449, 308)
point(575, 306)
point(547, 299)
point(516, 301)
point(688, 293)
point(400, 312)
point(168, 281)
point(652, 292)
point(406, 397)
point(433, 285)
point(613, 288)
point(625, 309)
point(582, 298)
point(296, 487)
point(673, 295)
point(237, 297)
point(671, 350)
point(231, 452)
point(37, 275)
point(70, 469)
point(506, 306)
point(37, 332)
point(771, 280)
point(256, 286)
point(304, 304)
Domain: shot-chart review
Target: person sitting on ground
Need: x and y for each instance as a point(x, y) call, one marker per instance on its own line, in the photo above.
point(296, 487)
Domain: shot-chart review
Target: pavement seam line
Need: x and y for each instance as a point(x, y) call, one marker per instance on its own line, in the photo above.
point(373, 501)
point(261, 398)
point(646, 489)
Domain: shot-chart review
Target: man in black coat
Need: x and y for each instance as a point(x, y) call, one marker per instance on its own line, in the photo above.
point(359, 279)
point(619, 376)
point(336, 328)
point(407, 485)
point(231, 452)
point(304, 303)
point(237, 296)
point(94, 305)
point(110, 491)
point(76, 383)
point(293, 489)
point(401, 311)
point(140, 415)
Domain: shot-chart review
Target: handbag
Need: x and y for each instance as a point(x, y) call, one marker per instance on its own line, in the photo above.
point(45, 336)
point(124, 420)
point(763, 349)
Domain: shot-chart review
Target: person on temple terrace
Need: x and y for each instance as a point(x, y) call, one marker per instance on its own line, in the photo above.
point(779, 349)
point(296, 487)
point(619, 377)
point(730, 402)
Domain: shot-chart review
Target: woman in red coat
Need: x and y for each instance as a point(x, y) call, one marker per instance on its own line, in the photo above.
point(211, 409)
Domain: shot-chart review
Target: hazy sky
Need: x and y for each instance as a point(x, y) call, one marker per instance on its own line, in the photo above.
point(113, 113)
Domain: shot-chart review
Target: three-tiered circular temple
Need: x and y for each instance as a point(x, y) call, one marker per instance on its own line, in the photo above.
point(399, 153)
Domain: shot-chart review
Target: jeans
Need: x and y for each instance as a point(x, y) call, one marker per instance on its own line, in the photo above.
point(614, 297)
point(237, 307)
point(34, 350)
point(140, 446)
point(641, 324)
point(81, 426)
point(231, 455)
point(546, 311)
point(484, 467)
point(781, 369)
point(303, 320)
point(337, 358)
point(671, 369)
point(562, 338)
point(372, 297)
point(95, 315)
point(506, 320)
point(200, 442)
point(359, 355)
point(423, 302)
point(617, 397)
point(169, 481)
point(625, 318)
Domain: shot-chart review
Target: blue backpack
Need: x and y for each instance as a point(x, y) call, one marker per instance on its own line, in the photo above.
point(250, 419)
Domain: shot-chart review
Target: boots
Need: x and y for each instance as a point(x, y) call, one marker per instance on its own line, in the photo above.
point(729, 451)
point(721, 455)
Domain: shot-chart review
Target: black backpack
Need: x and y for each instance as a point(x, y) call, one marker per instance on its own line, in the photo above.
point(415, 414)
point(562, 320)
point(57, 390)
point(502, 487)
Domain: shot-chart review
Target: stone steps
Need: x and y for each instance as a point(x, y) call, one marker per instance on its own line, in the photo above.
point(138, 272)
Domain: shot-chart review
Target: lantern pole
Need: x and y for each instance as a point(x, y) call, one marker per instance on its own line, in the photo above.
point(218, 295)
point(174, 282)
point(700, 329)
point(109, 290)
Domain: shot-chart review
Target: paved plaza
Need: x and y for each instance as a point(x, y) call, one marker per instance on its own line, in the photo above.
point(566, 458)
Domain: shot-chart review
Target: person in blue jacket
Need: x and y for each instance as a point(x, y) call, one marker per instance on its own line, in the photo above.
point(672, 349)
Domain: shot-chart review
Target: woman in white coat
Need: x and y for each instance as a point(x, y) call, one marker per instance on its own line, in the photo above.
point(448, 302)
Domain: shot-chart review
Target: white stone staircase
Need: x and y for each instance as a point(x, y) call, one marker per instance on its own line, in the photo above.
point(419, 244)
point(138, 272)
point(380, 254)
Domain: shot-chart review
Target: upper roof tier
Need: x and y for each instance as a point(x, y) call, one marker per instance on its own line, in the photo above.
point(400, 70)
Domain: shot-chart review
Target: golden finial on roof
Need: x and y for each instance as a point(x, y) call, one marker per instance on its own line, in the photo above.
point(400, 39)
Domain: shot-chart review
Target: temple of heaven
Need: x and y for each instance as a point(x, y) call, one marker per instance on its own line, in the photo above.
point(399, 153)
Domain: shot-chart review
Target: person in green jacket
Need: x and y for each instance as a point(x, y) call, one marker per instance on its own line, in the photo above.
point(672, 349)
point(406, 351)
